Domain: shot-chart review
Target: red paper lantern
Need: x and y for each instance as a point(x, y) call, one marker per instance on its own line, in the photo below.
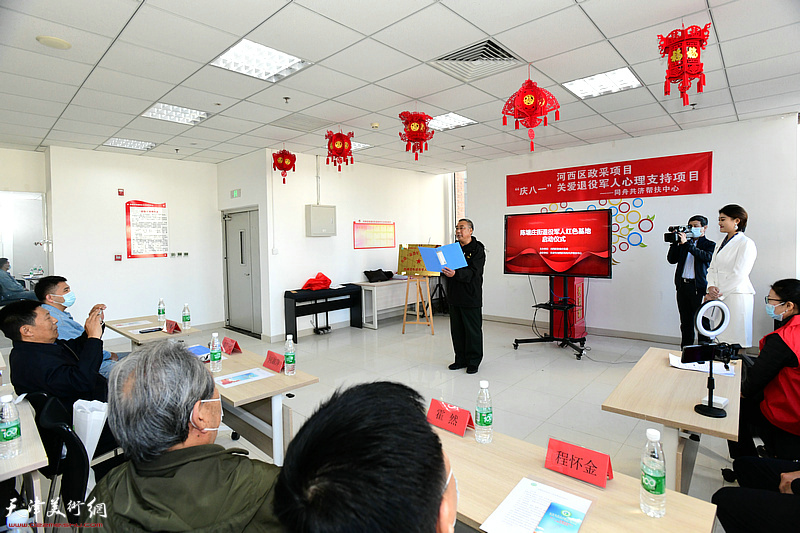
point(283, 161)
point(529, 106)
point(339, 148)
point(416, 132)
point(682, 49)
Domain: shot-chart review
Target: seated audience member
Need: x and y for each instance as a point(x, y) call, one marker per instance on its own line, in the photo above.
point(39, 362)
point(367, 461)
point(56, 295)
point(10, 289)
point(165, 410)
point(770, 405)
point(767, 500)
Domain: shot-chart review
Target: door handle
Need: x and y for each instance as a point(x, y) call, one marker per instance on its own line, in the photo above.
point(247, 274)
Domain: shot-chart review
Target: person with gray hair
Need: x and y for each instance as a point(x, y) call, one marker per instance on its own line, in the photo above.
point(165, 411)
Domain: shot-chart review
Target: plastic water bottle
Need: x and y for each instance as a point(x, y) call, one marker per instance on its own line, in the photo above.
point(483, 415)
point(186, 317)
point(288, 356)
point(652, 494)
point(17, 522)
point(10, 434)
point(162, 311)
point(215, 357)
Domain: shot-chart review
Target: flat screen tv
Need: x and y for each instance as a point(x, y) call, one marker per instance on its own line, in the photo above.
point(568, 243)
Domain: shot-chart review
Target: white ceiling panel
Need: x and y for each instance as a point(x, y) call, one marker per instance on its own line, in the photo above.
point(645, 124)
point(41, 66)
point(495, 18)
point(139, 135)
point(99, 116)
point(322, 37)
point(361, 15)
point(31, 105)
point(160, 30)
point(56, 135)
point(9, 116)
point(369, 60)
point(221, 81)
point(334, 111)
point(147, 63)
point(615, 17)
point(571, 111)
point(81, 14)
point(234, 16)
point(583, 123)
point(24, 131)
point(506, 83)
point(208, 134)
point(642, 45)
point(459, 98)
point(778, 102)
point(393, 112)
point(372, 97)
point(745, 17)
point(111, 102)
point(586, 61)
point(488, 112)
point(631, 114)
point(705, 113)
point(89, 128)
point(251, 141)
point(40, 89)
point(419, 81)
point(621, 100)
point(420, 35)
point(273, 132)
point(234, 125)
point(198, 100)
point(774, 67)
point(761, 46)
point(771, 87)
point(157, 126)
point(231, 148)
point(110, 81)
point(275, 96)
point(255, 112)
point(602, 132)
point(323, 82)
point(563, 30)
point(192, 144)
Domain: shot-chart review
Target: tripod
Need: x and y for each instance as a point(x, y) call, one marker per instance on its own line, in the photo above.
point(564, 307)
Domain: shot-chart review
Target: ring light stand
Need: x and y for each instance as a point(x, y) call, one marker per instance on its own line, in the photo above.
point(709, 409)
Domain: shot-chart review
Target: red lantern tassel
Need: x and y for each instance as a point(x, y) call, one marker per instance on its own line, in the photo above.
point(558, 115)
point(516, 124)
point(666, 88)
point(701, 82)
point(505, 122)
point(284, 181)
point(545, 120)
point(340, 167)
point(685, 98)
point(531, 146)
point(416, 156)
point(408, 146)
point(327, 160)
point(426, 146)
point(351, 159)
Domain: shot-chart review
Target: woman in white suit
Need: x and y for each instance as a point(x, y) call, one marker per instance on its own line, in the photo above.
point(729, 275)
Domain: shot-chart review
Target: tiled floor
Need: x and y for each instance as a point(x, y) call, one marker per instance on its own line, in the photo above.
point(538, 391)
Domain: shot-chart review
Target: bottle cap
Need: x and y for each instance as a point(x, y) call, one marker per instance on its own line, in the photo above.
point(289, 337)
point(6, 398)
point(484, 384)
point(653, 435)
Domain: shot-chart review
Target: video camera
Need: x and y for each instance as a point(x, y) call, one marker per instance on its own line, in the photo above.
point(672, 236)
point(723, 352)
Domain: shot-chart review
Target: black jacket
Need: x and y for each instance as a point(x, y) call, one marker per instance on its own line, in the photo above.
point(66, 369)
point(465, 289)
point(702, 250)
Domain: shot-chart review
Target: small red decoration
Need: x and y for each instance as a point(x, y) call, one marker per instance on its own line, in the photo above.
point(339, 148)
point(682, 50)
point(284, 161)
point(530, 106)
point(416, 132)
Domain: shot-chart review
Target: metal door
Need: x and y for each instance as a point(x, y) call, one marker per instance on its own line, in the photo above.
point(242, 269)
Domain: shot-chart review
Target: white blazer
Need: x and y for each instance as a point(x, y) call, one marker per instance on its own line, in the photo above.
point(730, 268)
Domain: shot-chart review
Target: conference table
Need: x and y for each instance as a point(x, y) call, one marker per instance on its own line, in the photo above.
point(272, 388)
point(487, 473)
point(130, 327)
point(656, 392)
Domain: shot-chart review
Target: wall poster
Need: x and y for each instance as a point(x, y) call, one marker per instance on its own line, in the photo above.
point(146, 229)
point(372, 234)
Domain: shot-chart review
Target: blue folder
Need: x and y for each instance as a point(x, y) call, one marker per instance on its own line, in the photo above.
point(449, 256)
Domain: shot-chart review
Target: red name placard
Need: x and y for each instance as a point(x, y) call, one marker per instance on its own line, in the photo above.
point(274, 361)
point(450, 417)
point(580, 463)
point(639, 178)
point(230, 346)
point(170, 326)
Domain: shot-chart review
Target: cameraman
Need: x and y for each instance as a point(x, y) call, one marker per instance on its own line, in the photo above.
point(692, 253)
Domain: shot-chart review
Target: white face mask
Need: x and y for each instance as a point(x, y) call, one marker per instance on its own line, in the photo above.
point(221, 413)
point(450, 475)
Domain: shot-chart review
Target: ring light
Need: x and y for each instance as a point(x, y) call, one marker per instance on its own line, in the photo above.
point(726, 318)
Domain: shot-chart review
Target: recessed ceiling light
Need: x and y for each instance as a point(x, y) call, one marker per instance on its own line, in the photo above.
point(173, 113)
point(449, 121)
point(129, 143)
point(606, 83)
point(259, 61)
point(359, 146)
point(54, 42)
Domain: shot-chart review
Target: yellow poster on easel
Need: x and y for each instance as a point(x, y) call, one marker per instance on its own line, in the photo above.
point(409, 261)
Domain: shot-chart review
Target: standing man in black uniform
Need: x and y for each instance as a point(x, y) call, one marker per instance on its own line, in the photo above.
point(692, 254)
point(465, 296)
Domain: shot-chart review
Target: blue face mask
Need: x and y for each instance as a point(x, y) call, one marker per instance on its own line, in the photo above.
point(697, 233)
point(69, 298)
point(771, 312)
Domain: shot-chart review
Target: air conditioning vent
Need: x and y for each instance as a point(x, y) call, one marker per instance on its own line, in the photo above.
point(477, 61)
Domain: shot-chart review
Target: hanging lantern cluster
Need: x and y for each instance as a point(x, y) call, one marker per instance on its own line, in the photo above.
point(682, 49)
point(529, 106)
point(284, 161)
point(339, 148)
point(416, 132)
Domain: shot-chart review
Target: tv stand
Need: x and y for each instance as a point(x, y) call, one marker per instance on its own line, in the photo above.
point(551, 306)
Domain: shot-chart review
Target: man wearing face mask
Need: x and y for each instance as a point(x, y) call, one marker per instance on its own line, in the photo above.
point(56, 296)
point(165, 411)
point(692, 253)
point(10, 290)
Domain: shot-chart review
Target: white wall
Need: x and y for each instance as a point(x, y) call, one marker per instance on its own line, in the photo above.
point(413, 200)
point(87, 224)
point(755, 164)
point(22, 171)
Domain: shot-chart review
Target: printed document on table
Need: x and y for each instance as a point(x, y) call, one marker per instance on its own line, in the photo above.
point(245, 376)
point(524, 507)
point(719, 368)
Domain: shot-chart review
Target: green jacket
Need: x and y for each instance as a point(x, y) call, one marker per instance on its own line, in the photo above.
point(202, 488)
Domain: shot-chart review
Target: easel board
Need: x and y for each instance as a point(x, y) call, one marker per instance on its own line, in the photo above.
point(409, 261)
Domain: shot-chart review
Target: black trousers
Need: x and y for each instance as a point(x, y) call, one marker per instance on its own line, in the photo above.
point(752, 422)
point(467, 334)
point(757, 505)
point(689, 301)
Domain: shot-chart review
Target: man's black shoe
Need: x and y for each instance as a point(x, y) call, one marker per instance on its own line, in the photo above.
point(472, 369)
point(456, 366)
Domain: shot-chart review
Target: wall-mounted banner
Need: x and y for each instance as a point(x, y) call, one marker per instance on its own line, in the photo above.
point(146, 229)
point(658, 176)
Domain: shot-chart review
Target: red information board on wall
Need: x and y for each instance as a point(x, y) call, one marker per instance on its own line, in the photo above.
point(657, 176)
point(146, 229)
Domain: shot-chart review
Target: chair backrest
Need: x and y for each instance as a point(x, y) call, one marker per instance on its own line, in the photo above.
point(55, 429)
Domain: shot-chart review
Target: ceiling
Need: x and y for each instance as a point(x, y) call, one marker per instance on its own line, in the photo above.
point(371, 61)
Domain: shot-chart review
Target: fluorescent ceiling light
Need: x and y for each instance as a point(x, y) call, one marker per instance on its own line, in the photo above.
point(129, 143)
point(359, 146)
point(449, 121)
point(173, 113)
point(259, 61)
point(606, 83)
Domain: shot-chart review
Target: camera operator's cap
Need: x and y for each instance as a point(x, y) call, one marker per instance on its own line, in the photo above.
point(653, 435)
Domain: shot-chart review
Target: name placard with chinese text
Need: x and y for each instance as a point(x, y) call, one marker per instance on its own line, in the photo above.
point(450, 417)
point(580, 463)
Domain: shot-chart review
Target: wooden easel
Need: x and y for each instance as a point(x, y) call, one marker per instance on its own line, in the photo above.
point(420, 300)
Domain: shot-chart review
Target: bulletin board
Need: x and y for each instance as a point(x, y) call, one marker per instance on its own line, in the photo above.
point(146, 229)
point(373, 234)
point(409, 261)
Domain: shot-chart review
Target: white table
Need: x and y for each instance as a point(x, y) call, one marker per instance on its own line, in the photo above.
point(392, 295)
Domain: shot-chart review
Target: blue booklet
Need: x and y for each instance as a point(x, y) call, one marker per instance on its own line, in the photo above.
point(560, 518)
point(449, 256)
point(199, 350)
